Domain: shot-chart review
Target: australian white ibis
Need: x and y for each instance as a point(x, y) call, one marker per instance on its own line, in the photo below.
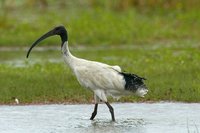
point(104, 80)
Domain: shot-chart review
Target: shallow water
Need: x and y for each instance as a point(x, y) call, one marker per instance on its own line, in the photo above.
point(130, 118)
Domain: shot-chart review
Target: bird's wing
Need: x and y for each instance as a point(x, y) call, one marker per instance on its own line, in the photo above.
point(117, 68)
point(99, 76)
point(101, 79)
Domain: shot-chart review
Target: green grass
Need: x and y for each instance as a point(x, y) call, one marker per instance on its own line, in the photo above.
point(172, 73)
point(159, 44)
point(94, 26)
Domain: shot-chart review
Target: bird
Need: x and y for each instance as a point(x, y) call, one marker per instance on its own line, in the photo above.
point(102, 79)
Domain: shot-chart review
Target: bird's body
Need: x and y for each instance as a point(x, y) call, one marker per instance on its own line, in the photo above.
point(104, 80)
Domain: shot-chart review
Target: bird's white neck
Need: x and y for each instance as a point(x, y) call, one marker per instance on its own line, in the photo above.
point(65, 49)
point(68, 57)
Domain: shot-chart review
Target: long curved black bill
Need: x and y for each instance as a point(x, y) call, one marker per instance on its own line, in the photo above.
point(48, 34)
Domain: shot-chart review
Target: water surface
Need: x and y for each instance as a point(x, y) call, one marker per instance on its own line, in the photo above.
point(130, 118)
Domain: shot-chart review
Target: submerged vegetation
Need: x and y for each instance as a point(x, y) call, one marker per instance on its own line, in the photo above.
point(158, 40)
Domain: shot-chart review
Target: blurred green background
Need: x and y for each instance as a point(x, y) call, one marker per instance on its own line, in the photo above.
point(157, 39)
point(99, 21)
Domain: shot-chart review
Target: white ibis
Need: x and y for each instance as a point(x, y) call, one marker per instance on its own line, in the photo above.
point(104, 80)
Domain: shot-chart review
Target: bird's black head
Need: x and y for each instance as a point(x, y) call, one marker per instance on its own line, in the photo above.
point(59, 30)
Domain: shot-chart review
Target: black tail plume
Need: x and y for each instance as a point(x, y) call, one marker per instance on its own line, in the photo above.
point(133, 81)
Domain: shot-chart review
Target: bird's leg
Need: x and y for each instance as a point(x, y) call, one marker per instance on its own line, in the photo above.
point(111, 111)
point(95, 111)
point(97, 100)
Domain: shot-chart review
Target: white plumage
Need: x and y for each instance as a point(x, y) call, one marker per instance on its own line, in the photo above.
point(104, 80)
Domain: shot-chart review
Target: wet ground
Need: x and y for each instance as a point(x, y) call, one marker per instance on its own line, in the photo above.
point(130, 118)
